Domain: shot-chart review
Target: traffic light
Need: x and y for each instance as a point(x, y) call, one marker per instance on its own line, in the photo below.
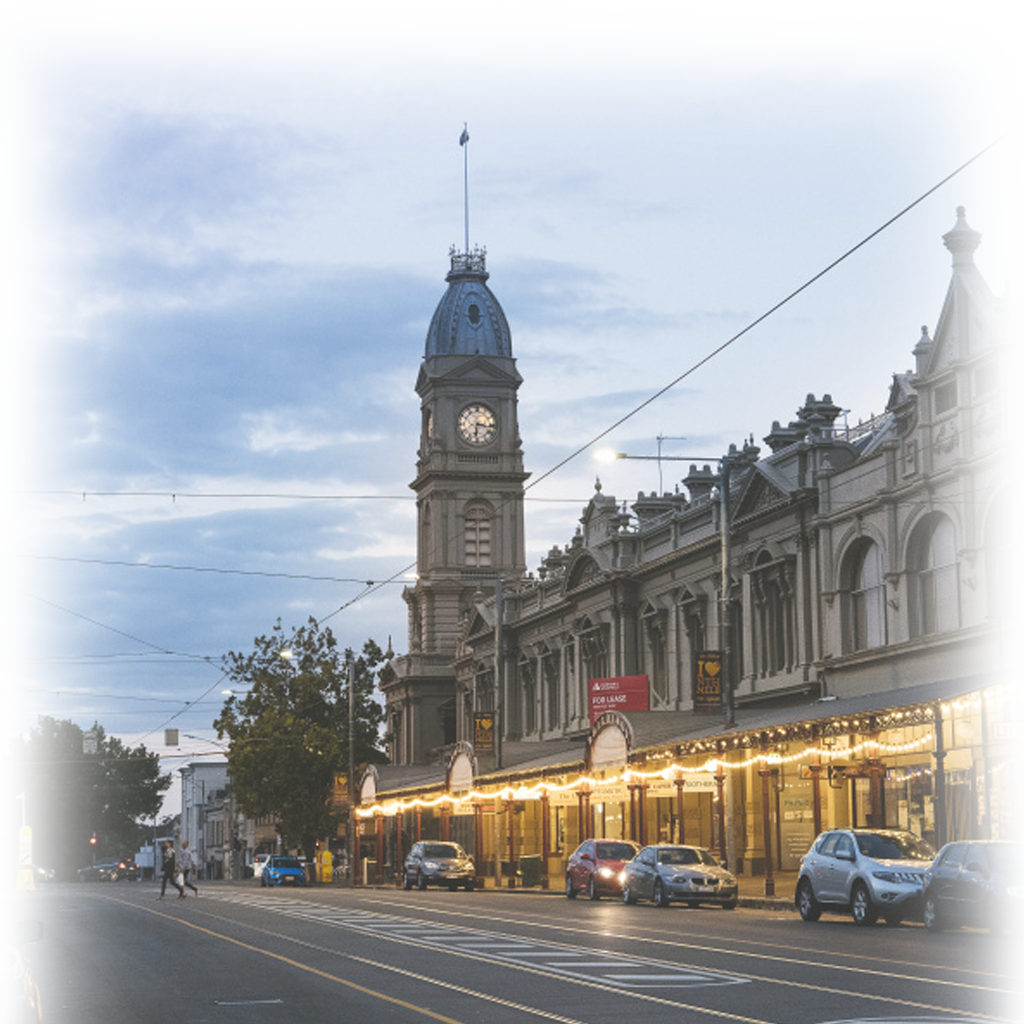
point(92, 839)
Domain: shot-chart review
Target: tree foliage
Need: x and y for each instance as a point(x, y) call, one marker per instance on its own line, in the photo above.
point(289, 733)
point(71, 795)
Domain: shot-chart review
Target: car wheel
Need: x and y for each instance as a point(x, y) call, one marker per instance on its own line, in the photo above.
point(930, 915)
point(993, 920)
point(470, 886)
point(592, 889)
point(660, 896)
point(421, 881)
point(406, 880)
point(864, 910)
point(628, 896)
point(809, 907)
point(570, 892)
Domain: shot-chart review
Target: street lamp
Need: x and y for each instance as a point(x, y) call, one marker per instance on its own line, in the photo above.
point(725, 586)
point(350, 837)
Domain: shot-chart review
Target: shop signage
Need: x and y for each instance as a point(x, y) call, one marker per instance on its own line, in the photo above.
point(618, 693)
point(609, 792)
point(483, 732)
point(708, 693)
point(1008, 730)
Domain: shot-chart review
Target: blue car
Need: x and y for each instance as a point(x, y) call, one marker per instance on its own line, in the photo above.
point(974, 883)
point(283, 871)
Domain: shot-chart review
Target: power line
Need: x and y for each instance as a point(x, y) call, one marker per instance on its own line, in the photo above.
point(114, 629)
point(661, 392)
point(199, 568)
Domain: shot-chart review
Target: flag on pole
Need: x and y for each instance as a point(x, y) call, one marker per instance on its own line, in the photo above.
point(464, 137)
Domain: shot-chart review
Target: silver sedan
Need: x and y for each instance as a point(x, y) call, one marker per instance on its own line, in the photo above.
point(686, 874)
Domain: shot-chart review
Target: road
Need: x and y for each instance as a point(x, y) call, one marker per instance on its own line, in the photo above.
point(114, 953)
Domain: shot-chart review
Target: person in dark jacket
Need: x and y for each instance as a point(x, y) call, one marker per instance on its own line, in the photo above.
point(170, 869)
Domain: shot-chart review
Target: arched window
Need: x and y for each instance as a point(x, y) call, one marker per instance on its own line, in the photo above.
point(478, 535)
point(774, 624)
point(1012, 559)
point(594, 648)
point(933, 577)
point(528, 682)
point(655, 622)
point(552, 685)
point(864, 595)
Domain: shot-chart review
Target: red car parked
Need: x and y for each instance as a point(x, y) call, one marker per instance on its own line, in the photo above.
point(595, 866)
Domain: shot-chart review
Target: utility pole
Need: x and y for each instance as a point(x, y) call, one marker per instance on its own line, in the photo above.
point(350, 836)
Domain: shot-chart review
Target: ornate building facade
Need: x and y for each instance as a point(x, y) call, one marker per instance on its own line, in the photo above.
point(846, 579)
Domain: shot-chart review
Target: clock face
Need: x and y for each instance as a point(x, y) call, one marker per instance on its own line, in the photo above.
point(477, 424)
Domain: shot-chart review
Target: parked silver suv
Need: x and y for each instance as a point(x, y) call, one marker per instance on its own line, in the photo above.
point(869, 872)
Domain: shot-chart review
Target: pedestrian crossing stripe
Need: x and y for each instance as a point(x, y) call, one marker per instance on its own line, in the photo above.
point(617, 970)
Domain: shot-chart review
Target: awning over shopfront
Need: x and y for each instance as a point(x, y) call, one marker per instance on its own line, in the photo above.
point(645, 736)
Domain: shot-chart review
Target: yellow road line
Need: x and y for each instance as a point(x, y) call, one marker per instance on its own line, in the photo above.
point(296, 963)
point(820, 989)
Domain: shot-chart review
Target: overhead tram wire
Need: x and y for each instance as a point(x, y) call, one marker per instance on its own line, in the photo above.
point(202, 658)
point(198, 568)
point(661, 392)
point(765, 315)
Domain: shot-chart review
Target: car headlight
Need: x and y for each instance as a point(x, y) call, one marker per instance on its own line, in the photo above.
point(606, 873)
point(431, 865)
point(904, 877)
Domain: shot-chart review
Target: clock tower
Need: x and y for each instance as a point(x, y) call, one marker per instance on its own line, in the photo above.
point(469, 501)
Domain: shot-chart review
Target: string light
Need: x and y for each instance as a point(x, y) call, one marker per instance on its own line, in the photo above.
point(676, 772)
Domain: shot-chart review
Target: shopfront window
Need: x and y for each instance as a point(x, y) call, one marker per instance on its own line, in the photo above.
point(910, 799)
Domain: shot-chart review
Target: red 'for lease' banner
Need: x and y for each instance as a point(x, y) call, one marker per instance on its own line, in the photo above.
point(618, 693)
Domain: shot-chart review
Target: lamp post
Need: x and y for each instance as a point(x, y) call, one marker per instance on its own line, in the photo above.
point(725, 583)
point(350, 837)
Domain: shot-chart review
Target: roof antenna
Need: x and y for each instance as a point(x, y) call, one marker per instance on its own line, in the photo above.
point(463, 139)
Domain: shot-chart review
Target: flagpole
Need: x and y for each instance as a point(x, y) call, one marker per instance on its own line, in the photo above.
point(464, 143)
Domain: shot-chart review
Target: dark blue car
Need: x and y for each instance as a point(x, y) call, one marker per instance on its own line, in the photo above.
point(283, 871)
point(974, 883)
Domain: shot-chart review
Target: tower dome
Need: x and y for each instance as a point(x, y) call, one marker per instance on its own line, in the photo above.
point(468, 320)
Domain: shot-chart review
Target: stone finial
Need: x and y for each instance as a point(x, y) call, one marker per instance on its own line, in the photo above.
point(962, 240)
point(922, 351)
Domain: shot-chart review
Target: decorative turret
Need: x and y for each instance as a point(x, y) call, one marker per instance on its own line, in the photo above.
point(468, 320)
point(962, 240)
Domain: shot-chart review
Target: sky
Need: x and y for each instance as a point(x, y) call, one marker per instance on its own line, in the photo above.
point(229, 227)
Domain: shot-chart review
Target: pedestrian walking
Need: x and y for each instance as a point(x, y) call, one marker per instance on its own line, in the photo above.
point(170, 872)
point(187, 862)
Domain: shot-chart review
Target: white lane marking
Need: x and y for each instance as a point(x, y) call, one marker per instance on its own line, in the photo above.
point(614, 969)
